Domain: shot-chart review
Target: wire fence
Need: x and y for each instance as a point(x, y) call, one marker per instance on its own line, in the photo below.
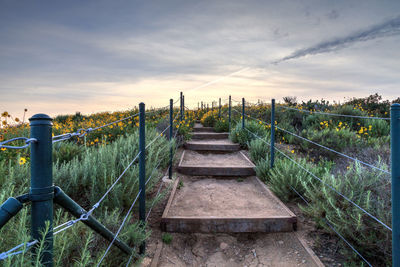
point(24, 247)
point(334, 114)
point(241, 113)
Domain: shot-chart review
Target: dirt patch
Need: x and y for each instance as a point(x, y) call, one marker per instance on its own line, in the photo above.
point(277, 249)
point(240, 198)
point(234, 159)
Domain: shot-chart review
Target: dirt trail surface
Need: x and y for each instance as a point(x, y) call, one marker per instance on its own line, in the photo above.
point(235, 159)
point(216, 197)
point(218, 250)
point(241, 197)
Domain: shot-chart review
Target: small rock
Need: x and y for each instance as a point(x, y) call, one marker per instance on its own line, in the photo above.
point(303, 261)
point(166, 180)
point(223, 245)
point(296, 252)
point(280, 242)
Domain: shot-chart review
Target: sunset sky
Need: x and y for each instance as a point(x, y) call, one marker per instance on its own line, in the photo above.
point(59, 57)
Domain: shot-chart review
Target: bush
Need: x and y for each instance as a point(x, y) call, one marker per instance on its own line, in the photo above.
point(370, 189)
point(65, 152)
point(209, 118)
point(243, 136)
point(259, 149)
point(85, 179)
point(221, 125)
point(166, 238)
point(335, 139)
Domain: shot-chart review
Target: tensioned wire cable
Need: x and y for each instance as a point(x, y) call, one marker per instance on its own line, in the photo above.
point(329, 186)
point(334, 114)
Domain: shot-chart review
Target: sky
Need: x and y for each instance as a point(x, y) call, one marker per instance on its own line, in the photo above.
point(59, 57)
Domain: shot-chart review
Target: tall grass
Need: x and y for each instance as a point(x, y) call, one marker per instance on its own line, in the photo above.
point(85, 176)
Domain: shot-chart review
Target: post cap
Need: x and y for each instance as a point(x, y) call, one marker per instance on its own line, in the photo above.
point(395, 106)
point(40, 119)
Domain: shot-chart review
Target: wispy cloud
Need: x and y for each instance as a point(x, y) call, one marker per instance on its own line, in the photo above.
point(388, 28)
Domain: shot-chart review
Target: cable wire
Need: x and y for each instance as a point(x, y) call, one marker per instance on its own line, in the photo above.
point(332, 150)
point(333, 229)
point(335, 114)
point(329, 186)
point(28, 141)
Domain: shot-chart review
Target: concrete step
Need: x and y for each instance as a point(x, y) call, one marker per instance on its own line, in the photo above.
point(215, 145)
point(209, 205)
point(212, 164)
point(206, 136)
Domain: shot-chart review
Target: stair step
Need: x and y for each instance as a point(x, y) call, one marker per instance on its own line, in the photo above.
point(211, 164)
point(203, 129)
point(212, 145)
point(209, 205)
point(205, 136)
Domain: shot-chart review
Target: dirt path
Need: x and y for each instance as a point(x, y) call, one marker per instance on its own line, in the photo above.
point(208, 197)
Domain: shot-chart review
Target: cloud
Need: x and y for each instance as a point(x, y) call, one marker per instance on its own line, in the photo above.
point(388, 28)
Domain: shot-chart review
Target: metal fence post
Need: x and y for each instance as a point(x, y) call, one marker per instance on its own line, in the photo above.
point(243, 113)
point(42, 188)
point(272, 133)
point(219, 113)
point(171, 131)
point(212, 106)
point(395, 159)
point(207, 107)
point(142, 170)
point(183, 106)
point(230, 110)
point(181, 102)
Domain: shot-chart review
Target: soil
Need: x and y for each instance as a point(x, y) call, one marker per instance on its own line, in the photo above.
point(224, 198)
point(235, 159)
point(257, 249)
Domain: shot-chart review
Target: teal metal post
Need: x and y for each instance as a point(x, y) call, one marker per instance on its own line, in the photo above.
point(183, 106)
point(243, 112)
point(212, 106)
point(181, 102)
point(230, 112)
point(171, 131)
point(42, 188)
point(272, 133)
point(395, 154)
point(142, 170)
point(71, 206)
point(9, 209)
point(219, 113)
point(202, 105)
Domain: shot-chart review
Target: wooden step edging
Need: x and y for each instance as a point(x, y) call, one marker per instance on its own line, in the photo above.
point(204, 136)
point(211, 147)
point(203, 129)
point(212, 224)
point(217, 171)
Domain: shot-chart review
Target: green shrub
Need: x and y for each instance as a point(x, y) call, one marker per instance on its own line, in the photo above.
point(166, 238)
point(221, 125)
point(287, 174)
point(378, 128)
point(243, 136)
point(331, 138)
point(259, 149)
point(65, 152)
point(85, 179)
point(370, 189)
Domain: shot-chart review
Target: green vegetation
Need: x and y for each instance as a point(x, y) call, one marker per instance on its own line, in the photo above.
point(85, 172)
point(166, 238)
point(366, 139)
